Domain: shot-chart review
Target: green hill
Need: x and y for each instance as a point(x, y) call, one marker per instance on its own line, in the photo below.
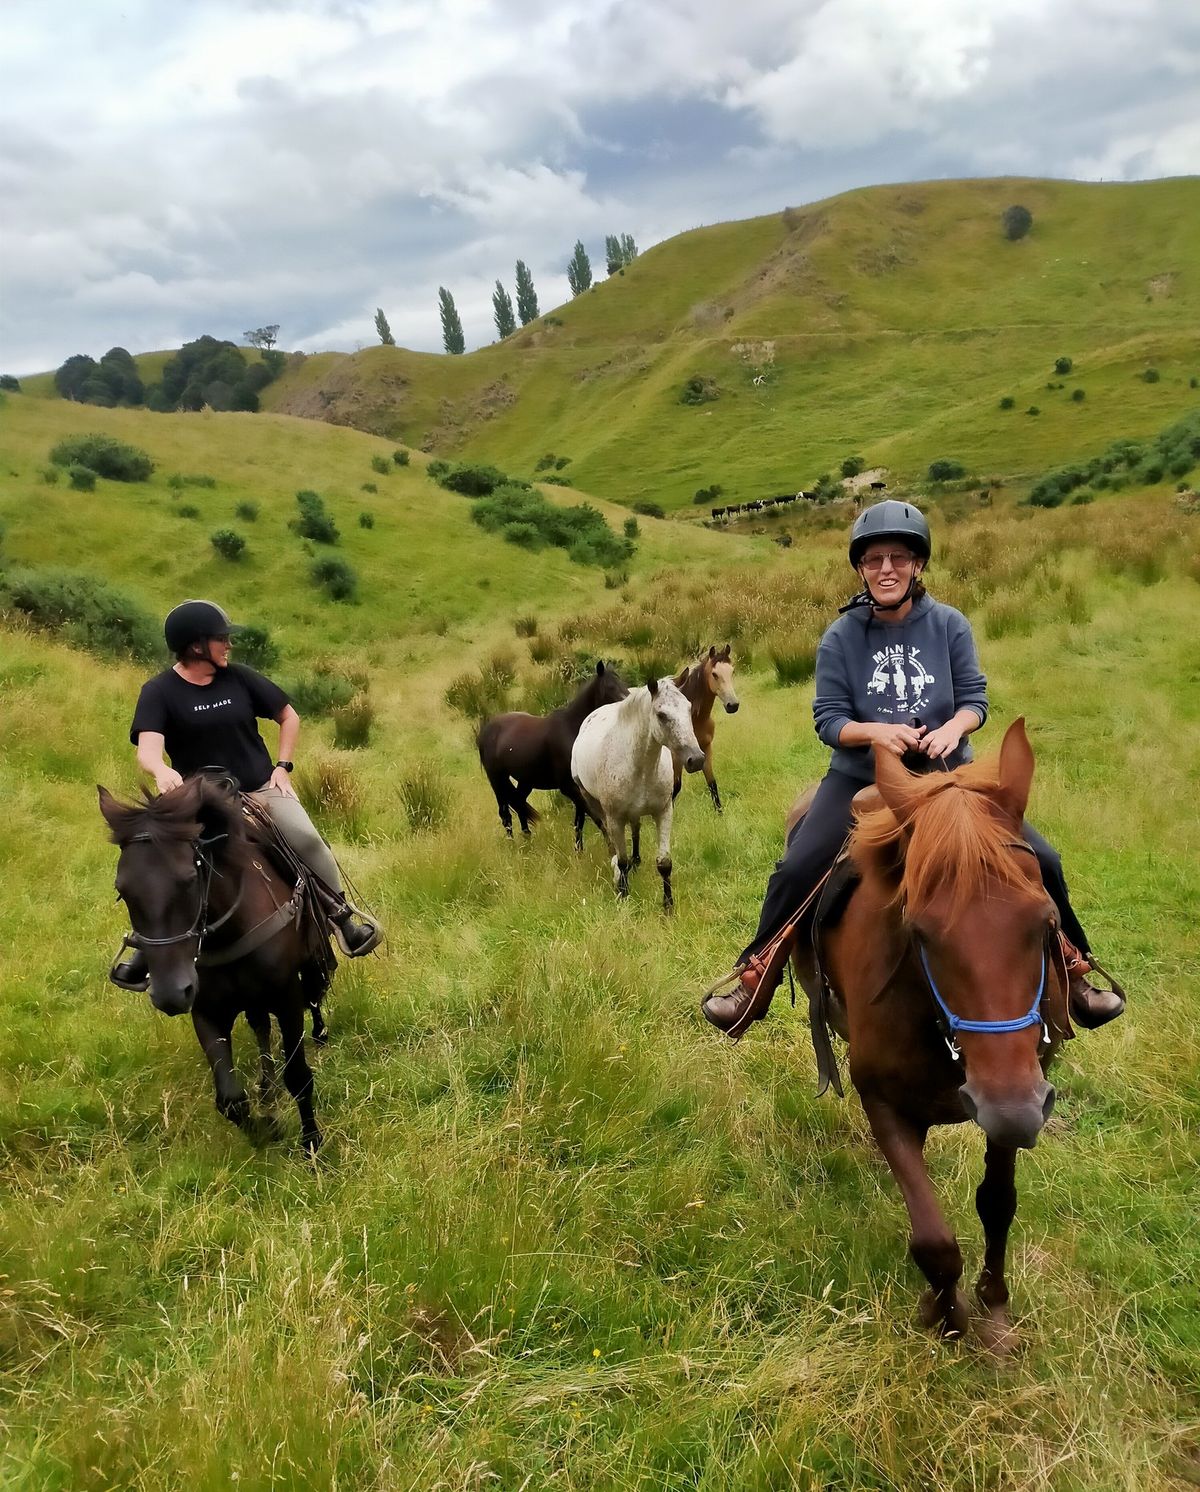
point(887, 322)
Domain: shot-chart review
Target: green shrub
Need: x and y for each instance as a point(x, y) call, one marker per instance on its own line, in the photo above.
point(366, 520)
point(247, 512)
point(852, 465)
point(314, 522)
point(615, 579)
point(1082, 498)
point(1062, 366)
point(630, 529)
point(187, 510)
point(794, 660)
point(85, 611)
point(400, 456)
point(527, 518)
point(381, 464)
point(526, 626)
point(105, 456)
point(561, 462)
point(368, 487)
point(542, 649)
point(1194, 382)
point(473, 479)
point(319, 693)
point(437, 469)
point(424, 797)
point(83, 478)
point(228, 543)
point(946, 470)
point(50, 475)
point(338, 578)
point(1016, 221)
point(184, 479)
point(1033, 409)
point(699, 389)
point(352, 723)
point(1007, 402)
point(705, 495)
point(330, 786)
point(7, 381)
point(1009, 616)
point(649, 510)
point(544, 463)
point(477, 694)
point(1078, 396)
point(1151, 375)
point(255, 648)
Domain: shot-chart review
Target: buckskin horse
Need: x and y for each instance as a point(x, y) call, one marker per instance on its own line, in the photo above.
point(223, 934)
point(522, 753)
point(702, 684)
point(943, 974)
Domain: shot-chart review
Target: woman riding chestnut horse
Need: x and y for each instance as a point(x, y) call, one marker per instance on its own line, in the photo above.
point(203, 713)
point(896, 670)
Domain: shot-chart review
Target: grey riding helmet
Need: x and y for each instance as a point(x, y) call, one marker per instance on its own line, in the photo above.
point(192, 620)
point(890, 519)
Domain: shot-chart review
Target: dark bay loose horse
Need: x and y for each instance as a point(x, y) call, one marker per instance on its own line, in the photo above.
point(522, 753)
point(223, 934)
point(703, 684)
point(945, 978)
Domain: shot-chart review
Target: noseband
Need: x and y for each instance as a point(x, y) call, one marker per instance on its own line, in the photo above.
point(201, 926)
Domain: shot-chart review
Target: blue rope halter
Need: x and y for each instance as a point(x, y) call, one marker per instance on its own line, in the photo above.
point(956, 1023)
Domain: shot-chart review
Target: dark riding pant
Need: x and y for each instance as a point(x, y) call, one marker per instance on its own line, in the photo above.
point(815, 841)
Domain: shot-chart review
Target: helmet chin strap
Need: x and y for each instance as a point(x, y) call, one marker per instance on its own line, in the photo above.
point(865, 598)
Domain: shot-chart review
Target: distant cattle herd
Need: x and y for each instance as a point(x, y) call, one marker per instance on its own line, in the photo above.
point(733, 509)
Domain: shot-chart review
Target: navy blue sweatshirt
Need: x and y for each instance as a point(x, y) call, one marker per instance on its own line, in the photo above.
point(888, 672)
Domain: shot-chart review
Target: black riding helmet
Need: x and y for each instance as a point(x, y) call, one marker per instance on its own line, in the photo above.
point(890, 519)
point(192, 620)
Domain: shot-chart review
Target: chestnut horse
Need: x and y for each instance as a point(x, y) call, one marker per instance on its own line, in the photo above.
point(702, 684)
point(223, 934)
point(521, 753)
point(944, 977)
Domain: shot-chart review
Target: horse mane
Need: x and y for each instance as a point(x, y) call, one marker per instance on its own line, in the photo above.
point(185, 813)
point(951, 838)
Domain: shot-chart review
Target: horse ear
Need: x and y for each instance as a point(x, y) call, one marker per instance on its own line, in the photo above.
point(1016, 770)
point(109, 807)
point(712, 652)
point(599, 667)
point(891, 778)
point(652, 685)
point(727, 651)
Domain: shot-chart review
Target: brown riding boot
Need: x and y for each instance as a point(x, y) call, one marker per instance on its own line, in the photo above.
point(750, 998)
point(1090, 1006)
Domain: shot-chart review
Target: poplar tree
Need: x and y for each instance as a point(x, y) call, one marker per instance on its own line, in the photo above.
point(527, 301)
point(452, 332)
point(612, 253)
point(382, 327)
point(629, 250)
point(579, 271)
point(502, 311)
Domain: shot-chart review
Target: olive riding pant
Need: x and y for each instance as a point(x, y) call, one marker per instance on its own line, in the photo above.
point(301, 833)
point(813, 846)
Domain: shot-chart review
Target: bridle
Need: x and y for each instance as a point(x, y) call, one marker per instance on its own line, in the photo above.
point(201, 927)
point(951, 1024)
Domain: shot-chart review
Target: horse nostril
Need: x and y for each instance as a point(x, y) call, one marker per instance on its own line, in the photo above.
point(732, 709)
point(1048, 1104)
point(969, 1106)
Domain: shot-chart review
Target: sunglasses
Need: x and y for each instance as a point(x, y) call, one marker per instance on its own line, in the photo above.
point(900, 560)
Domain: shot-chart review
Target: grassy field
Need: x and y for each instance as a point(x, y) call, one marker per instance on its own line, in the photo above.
point(561, 1235)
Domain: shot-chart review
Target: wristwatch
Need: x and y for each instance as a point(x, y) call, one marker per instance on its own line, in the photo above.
point(287, 766)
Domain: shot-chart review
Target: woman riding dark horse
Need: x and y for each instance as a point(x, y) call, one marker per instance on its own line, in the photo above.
point(203, 712)
point(896, 670)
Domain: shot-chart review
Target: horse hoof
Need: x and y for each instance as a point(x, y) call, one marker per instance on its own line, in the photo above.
point(312, 1141)
point(236, 1110)
point(995, 1333)
point(949, 1319)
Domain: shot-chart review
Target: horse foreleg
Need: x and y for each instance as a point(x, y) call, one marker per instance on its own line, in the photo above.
point(996, 1203)
point(614, 832)
point(268, 1082)
point(933, 1246)
point(232, 1101)
point(711, 778)
point(663, 859)
point(297, 1074)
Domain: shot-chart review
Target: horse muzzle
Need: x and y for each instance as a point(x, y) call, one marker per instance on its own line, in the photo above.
point(1012, 1122)
point(694, 761)
point(173, 998)
point(732, 706)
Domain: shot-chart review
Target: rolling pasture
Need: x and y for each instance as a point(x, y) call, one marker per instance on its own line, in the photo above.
point(561, 1235)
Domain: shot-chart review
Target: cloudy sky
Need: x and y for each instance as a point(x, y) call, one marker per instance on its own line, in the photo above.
point(168, 169)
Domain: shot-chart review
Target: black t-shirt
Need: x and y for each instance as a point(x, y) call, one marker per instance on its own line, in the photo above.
point(212, 725)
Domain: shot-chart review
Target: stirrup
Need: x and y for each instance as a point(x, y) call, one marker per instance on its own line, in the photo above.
point(369, 945)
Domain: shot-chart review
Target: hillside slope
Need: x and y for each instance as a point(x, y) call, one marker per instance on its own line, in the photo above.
point(887, 322)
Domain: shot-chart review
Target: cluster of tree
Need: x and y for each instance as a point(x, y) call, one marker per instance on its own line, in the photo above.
point(263, 336)
point(216, 373)
point(619, 250)
point(202, 372)
point(112, 381)
point(1016, 221)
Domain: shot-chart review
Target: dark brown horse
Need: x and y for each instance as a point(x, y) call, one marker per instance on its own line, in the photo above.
point(525, 753)
point(223, 934)
point(703, 684)
point(944, 976)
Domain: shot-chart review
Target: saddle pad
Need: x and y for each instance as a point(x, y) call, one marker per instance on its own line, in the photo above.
point(835, 896)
